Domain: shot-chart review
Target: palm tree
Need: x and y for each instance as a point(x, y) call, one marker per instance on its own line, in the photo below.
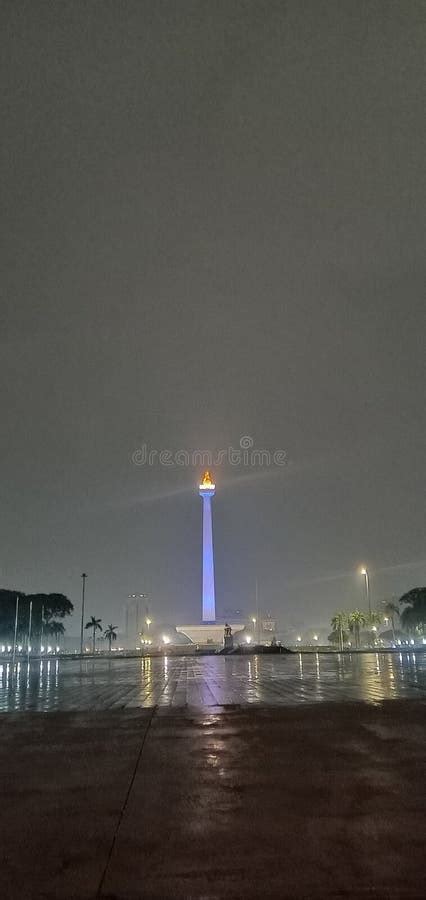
point(390, 609)
point(339, 624)
point(110, 634)
point(413, 617)
point(356, 621)
point(55, 628)
point(374, 619)
point(95, 625)
point(409, 620)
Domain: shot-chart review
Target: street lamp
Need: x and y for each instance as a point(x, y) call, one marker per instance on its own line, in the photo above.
point(148, 622)
point(367, 588)
point(30, 618)
point(15, 635)
point(83, 589)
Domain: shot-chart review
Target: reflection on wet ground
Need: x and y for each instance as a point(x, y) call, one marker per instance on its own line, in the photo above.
point(210, 681)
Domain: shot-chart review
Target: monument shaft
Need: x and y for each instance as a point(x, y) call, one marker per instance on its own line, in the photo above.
point(207, 490)
point(209, 605)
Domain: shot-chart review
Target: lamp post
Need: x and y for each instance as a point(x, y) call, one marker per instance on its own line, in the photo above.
point(257, 611)
point(30, 621)
point(367, 588)
point(15, 631)
point(126, 627)
point(83, 590)
point(41, 629)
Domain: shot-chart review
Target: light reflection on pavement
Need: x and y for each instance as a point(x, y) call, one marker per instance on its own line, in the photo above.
point(211, 681)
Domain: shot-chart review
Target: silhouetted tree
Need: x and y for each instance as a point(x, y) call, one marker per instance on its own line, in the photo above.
point(339, 624)
point(390, 609)
point(413, 617)
point(373, 620)
point(110, 634)
point(45, 607)
point(56, 629)
point(95, 625)
point(356, 621)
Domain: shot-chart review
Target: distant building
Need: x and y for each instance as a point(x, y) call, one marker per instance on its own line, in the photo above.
point(269, 624)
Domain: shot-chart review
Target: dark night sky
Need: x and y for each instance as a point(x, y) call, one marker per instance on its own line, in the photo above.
point(213, 227)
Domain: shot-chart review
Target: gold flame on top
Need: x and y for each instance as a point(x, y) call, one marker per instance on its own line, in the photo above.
point(206, 480)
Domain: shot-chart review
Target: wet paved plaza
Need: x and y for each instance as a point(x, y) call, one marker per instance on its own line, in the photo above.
point(211, 681)
point(214, 778)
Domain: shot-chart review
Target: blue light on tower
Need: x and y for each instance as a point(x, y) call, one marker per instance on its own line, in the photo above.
point(207, 491)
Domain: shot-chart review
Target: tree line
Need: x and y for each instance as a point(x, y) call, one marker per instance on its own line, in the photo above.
point(47, 611)
point(412, 618)
point(95, 625)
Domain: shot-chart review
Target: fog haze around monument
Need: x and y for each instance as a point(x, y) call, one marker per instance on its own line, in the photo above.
point(215, 228)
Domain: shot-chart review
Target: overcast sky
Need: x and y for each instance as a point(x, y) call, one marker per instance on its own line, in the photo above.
point(214, 224)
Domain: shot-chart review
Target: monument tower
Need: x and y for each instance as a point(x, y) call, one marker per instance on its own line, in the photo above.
point(209, 633)
point(207, 491)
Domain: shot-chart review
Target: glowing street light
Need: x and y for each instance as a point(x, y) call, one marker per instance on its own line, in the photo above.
point(248, 638)
point(367, 588)
point(166, 640)
point(254, 620)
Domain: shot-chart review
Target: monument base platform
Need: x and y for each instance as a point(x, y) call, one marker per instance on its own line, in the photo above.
point(207, 634)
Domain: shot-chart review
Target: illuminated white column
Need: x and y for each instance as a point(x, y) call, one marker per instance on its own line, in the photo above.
point(207, 491)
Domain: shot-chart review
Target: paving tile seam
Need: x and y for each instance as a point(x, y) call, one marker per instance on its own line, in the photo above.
point(123, 808)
